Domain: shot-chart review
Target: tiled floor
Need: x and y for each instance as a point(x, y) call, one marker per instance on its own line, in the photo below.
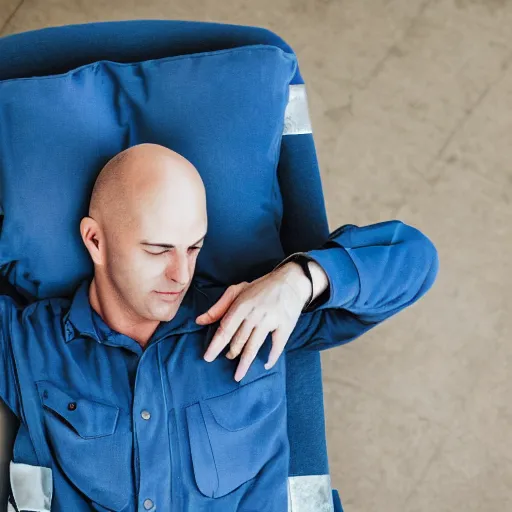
point(411, 105)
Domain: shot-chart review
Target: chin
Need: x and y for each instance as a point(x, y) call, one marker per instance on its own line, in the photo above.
point(165, 316)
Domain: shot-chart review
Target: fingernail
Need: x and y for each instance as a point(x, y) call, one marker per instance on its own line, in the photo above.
point(229, 355)
point(267, 366)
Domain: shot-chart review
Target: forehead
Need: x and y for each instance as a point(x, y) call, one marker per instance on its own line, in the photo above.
point(157, 225)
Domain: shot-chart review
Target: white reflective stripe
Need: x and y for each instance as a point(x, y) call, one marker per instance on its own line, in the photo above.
point(296, 115)
point(32, 487)
point(310, 493)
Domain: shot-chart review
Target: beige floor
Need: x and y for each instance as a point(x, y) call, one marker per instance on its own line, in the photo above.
point(411, 105)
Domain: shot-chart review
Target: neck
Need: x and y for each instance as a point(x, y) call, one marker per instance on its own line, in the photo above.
point(117, 314)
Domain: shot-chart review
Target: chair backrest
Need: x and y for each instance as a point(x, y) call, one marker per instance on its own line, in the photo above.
point(304, 224)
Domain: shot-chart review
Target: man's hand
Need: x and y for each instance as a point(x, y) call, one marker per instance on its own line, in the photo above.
point(273, 303)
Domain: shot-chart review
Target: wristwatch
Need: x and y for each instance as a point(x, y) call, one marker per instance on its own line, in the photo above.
point(301, 259)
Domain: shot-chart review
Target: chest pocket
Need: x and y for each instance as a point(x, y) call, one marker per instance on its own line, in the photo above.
point(91, 444)
point(234, 435)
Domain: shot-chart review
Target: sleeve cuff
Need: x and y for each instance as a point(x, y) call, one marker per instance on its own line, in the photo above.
point(342, 274)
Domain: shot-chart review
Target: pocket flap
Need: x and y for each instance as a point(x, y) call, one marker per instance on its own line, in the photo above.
point(248, 404)
point(88, 418)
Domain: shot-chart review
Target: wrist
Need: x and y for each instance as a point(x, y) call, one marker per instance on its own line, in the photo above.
point(294, 275)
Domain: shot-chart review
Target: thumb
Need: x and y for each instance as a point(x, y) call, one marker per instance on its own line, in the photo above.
point(220, 307)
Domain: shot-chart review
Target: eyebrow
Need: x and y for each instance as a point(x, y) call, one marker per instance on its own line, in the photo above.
point(168, 246)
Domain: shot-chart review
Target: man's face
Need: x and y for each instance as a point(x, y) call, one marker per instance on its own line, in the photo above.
point(156, 255)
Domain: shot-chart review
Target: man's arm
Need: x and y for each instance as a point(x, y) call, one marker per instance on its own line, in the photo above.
point(370, 273)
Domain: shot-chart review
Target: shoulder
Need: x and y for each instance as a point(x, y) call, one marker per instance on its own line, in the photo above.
point(53, 306)
point(44, 309)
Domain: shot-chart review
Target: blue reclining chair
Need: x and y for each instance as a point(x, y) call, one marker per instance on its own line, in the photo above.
point(302, 226)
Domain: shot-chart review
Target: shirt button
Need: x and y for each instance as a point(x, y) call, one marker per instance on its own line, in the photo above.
point(72, 406)
point(145, 415)
point(148, 504)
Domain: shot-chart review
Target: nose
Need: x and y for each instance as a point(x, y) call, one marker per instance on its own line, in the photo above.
point(178, 269)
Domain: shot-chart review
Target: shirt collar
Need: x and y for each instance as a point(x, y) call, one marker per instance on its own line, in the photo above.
point(79, 321)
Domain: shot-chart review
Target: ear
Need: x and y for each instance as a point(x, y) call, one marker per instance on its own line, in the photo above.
point(92, 237)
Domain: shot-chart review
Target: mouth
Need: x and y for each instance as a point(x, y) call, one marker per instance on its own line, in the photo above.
point(169, 296)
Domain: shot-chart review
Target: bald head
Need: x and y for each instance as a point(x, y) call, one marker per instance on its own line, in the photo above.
point(132, 178)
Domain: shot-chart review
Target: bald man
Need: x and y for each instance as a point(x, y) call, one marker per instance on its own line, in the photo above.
point(144, 392)
point(146, 225)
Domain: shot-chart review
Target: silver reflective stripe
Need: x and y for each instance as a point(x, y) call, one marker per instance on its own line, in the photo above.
point(32, 487)
point(296, 115)
point(310, 493)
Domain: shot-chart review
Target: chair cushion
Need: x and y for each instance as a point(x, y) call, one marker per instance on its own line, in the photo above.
point(223, 110)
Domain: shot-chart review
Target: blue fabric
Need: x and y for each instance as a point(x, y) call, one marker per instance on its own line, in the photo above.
point(201, 448)
point(185, 103)
point(304, 227)
point(60, 49)
point(336, 501)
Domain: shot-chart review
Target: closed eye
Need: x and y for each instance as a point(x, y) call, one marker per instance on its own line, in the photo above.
point(167, 250)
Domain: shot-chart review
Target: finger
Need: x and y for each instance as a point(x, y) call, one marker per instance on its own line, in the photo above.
point(227, 328)
point(240, 338)
point(222, 305)
point(259, 334)
point(279, 340)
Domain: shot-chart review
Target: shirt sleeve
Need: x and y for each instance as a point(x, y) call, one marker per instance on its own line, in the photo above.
point(8, 383)
point(374, 272)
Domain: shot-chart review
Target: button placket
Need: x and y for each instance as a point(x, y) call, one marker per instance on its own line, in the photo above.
point(150, 430)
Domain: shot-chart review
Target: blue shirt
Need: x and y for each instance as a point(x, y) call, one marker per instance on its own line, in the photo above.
point(128, 429)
